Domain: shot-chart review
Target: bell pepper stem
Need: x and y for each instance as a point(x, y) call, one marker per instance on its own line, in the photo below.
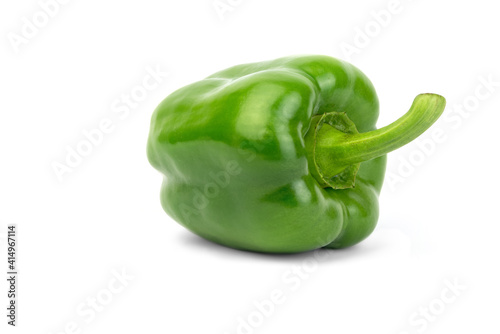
point(359, 147)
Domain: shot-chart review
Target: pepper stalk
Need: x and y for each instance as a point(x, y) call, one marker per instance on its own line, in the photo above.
point(335, 148)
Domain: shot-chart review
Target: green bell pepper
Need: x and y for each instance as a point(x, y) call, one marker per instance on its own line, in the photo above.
point(279, 156)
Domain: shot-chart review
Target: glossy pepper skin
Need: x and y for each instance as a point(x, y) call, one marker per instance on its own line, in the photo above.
point(237, 152)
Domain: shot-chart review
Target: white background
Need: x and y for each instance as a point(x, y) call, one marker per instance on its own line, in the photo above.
point(439, 222)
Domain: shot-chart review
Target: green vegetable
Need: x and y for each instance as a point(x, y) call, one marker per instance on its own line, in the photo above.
point(280, 156)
